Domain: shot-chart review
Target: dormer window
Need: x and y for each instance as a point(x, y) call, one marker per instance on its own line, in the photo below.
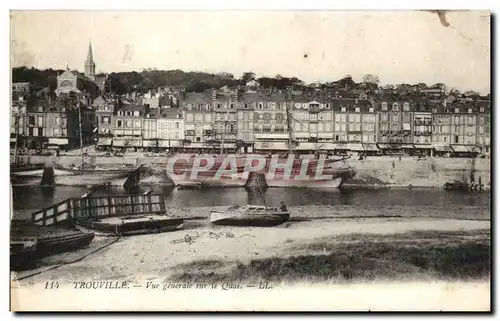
point(469, 110)
point(384, 106)
point(218, 106)
point(40, 109)
point(327, 106)
point(342, 109)
point(406, 106)
point(395, 107)
point(434, 110)
point(456, 110)
point(371, 109)
point(232, 106)
point(246, 106)
point(357, 109)
point(63, 109)
point(136, 113)
point(481, 109)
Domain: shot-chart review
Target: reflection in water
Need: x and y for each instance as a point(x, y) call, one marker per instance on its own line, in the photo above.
point(36, 197)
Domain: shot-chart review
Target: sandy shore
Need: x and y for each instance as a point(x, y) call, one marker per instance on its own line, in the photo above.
point(201, 247)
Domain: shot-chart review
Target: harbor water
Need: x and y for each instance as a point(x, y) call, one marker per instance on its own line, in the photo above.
point(359, 202)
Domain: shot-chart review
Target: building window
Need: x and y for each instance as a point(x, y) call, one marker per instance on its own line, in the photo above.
point(456, 110)
point(434, 110)
point(136, 113)
point(246, 106)
point(342, 109)
point(356, 109)
point(118, 123)
point(370, 109)
point(481, 109)
point(469, 110)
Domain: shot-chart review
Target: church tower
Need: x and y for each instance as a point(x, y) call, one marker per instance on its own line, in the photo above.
point(89, 64)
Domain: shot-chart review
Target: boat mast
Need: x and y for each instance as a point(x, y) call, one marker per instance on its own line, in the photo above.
point(17, 137)
point(289, 127)
point(80, 127)
point(225, 125)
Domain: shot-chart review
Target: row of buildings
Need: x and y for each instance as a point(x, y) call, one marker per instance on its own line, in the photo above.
point(256, 121)
point(245, 119)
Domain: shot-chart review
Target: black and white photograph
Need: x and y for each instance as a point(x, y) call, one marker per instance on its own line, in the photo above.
point(239, 160)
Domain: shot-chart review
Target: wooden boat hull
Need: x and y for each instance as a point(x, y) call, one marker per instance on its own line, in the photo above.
point(65, 243)
point(244, 219)
point(133, 225)
point(22, 251)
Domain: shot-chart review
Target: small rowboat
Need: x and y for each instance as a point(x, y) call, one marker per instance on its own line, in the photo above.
point(64, 243)
point(249, 215)
point(24, 251)
point(133, 224)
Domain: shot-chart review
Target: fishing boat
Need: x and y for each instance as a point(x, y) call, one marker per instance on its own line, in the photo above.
point(212, 170)
point(249, 215)
point(133, 224)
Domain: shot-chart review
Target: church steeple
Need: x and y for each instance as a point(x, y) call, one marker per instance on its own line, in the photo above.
point(89, 64)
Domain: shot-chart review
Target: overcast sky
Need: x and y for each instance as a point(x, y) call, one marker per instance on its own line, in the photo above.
point(399, 46)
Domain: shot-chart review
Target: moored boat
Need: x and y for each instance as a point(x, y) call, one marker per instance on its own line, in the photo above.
point(132, 224)
point(249, 215)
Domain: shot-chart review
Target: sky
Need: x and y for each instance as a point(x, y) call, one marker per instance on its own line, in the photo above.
point(398, 46)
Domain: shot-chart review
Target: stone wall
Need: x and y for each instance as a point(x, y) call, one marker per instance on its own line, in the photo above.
point(430, 172)
point(373, 171)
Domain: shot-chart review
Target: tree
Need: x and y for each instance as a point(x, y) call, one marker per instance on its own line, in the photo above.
point(247, 76)
point(371, 79)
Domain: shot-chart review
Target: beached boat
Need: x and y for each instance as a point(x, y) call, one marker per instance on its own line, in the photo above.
point(249, 215)
point(29, 242)
point(71, 240)
point(132, 224)
point(22, 251)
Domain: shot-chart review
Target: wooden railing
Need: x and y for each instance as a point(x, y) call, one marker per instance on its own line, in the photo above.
point(100, 206)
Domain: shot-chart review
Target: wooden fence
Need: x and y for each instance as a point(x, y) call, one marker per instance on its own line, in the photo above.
point(100, 206)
